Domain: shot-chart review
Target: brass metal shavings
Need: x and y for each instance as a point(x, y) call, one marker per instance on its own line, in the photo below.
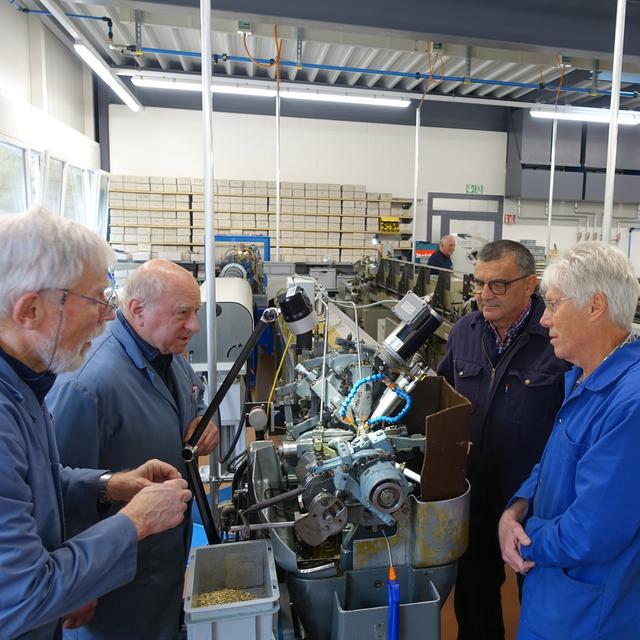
point(222, 596)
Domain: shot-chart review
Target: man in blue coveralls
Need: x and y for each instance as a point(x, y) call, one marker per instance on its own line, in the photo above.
point(499, 357)
point(53, 276)
point(137, 397)
point(573, 527)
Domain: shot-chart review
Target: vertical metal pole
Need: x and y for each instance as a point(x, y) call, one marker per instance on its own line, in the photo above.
point(209, 218)
point(277, 252)
point(554, 135)
point(416, 166)
point(612, 146)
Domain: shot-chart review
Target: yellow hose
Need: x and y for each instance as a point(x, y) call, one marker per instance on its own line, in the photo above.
point(275, 378)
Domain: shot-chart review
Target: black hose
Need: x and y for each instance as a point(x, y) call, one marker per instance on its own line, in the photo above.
point(232, 446)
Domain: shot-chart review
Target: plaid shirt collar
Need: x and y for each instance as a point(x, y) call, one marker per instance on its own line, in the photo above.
point(512, 331)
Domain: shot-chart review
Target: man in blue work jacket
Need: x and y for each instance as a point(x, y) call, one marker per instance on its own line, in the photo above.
point(53, 275)
point(580, 507)
point(499, 358)
point(137, 397)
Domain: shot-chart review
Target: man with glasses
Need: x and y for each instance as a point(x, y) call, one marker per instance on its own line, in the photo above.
point(52, 305)
point(573, 527)
point(500, 358)
point(137, 397)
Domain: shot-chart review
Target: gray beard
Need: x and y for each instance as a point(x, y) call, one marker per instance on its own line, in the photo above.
point(59, 361)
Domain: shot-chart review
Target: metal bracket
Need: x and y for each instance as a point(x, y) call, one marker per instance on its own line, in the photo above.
point(467, 73)
point(594, 77)
point(299, 49)
point(137, 16)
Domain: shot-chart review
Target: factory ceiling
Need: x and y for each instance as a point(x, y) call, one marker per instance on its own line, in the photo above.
point(500, 50)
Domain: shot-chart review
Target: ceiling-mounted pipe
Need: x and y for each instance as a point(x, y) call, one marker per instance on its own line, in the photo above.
point(552, 174)
point(416, 167)
point(208, 183)
point(223, 57)
point(278, 200)
point(75, 16)
point(612, 146)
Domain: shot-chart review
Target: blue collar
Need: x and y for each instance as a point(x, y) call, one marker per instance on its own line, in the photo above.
point(608, 371)
point(39, 383)
point(147, 350)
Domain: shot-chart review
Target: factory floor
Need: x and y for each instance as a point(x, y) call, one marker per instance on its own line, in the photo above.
point(449, 627)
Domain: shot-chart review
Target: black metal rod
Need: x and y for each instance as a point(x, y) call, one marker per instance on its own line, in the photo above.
point(275, 500)
point(268, 316)
point(197, 489)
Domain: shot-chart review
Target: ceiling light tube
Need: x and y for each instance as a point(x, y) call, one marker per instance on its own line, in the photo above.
point(100, 68)
point(585, 114)
point(345, 99)
point(180, 85)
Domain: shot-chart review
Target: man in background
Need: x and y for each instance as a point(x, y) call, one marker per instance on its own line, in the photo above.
point(441, 257)
point(499, 358)
point(53, 302)
point(137, 397)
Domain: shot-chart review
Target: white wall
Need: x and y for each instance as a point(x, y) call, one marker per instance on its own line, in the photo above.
point(14, 53)
point(169, 142)
point(45, 100)
point(64, 78)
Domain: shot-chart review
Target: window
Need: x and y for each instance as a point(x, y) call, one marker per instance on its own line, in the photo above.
point(13, 179)
point(35, 177)
point(102, 211)
point(74, 200)
point(53, 188)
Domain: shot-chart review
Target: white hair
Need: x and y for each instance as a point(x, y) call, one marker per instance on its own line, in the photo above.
point(596, 267)
point(40, 250)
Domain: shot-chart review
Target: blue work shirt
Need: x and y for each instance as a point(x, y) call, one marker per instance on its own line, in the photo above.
point(43, 573)
point(116, 412)
point(584, 517)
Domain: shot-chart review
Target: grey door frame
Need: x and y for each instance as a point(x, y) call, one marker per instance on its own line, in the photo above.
point(447, 215)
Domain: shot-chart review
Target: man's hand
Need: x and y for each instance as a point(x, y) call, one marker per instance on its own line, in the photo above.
point(158, 507)
point(512, 536)
point(123, 486)
point(80, 616)
point(209, 439)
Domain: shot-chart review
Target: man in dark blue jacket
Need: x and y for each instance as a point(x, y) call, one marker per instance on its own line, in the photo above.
point(441, 257)
point(500, 358)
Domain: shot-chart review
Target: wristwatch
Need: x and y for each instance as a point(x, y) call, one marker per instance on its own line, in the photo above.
point(103, 480)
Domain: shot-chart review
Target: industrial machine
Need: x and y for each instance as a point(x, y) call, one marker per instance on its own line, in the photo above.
point(370, 471)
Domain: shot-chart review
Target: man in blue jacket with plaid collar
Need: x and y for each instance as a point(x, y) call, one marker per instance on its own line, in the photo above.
point(573, 527)
point(499, 358)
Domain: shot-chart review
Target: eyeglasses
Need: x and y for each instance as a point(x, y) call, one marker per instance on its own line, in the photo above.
point(552, 305)
point(108, 303)
point(497, 287)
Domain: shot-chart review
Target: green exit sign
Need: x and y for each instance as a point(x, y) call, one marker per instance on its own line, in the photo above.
point(476, 189)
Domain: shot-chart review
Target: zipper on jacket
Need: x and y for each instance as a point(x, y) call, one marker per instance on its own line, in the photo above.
point(494, 369)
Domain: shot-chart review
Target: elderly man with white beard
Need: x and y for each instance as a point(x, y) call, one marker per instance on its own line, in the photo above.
point(53, 277)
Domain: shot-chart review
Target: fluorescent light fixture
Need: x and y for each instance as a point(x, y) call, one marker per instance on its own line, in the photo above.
point(585, 114)
point(345, 99)
point(100, 67)
point(248, 90)
point(180, 85)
